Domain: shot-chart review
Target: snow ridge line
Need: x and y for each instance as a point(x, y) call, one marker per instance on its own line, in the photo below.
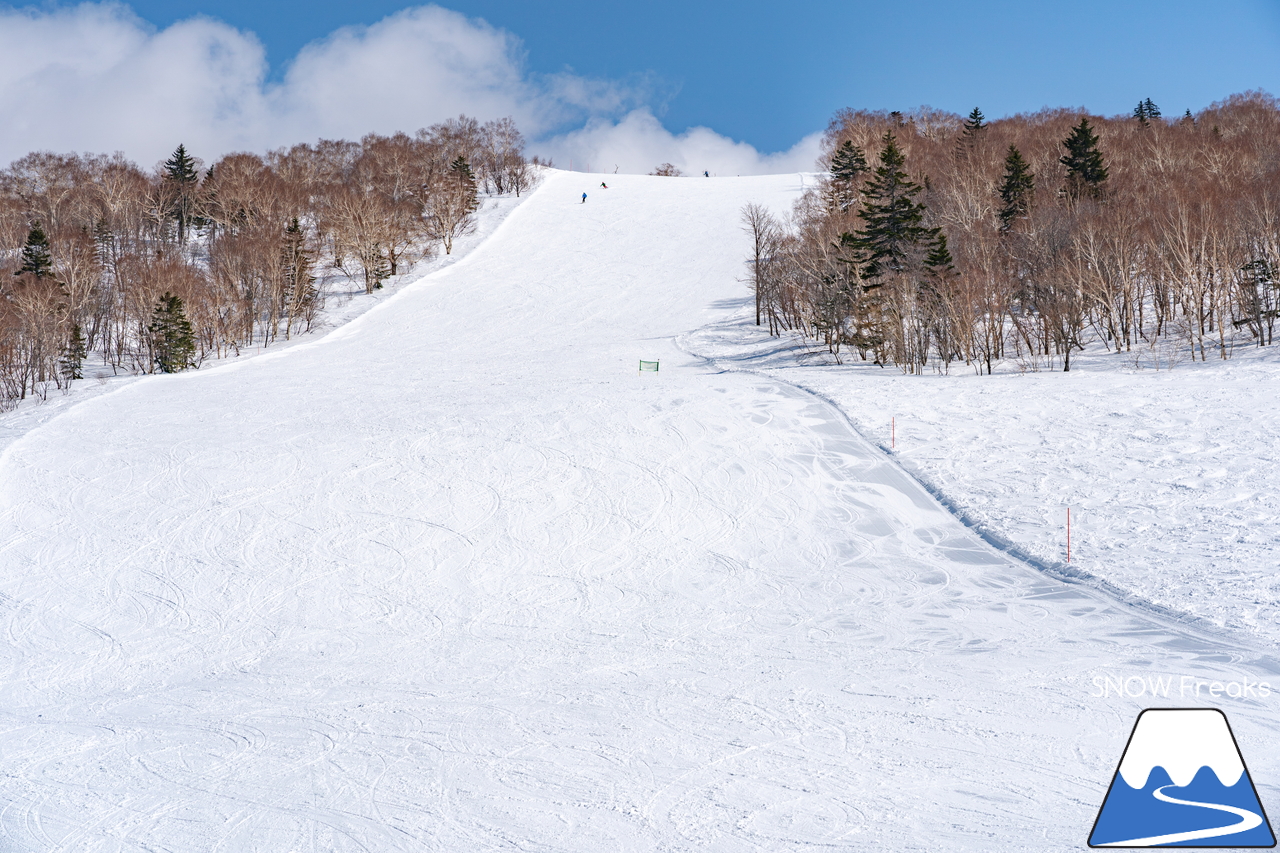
point(1056, 570)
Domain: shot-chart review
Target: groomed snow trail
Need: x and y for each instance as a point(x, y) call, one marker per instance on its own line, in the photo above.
point(457, 577)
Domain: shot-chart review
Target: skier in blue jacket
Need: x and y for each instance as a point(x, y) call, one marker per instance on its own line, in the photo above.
point(584, 198)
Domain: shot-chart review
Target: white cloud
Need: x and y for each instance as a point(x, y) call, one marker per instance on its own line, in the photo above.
point(96, 77)
point(639, 142)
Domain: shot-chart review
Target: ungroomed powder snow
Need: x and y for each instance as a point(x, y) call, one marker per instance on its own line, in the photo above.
point(459, 577)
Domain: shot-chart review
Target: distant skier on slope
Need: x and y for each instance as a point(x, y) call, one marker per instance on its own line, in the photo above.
point(603, 184)
point(584, 198)
point(706, 174)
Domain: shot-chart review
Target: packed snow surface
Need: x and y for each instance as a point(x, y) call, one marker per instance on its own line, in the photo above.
point(458, 577)
point(1165, 463)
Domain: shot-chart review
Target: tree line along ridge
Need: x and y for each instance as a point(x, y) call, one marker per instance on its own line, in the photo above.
point(157, 271)
point(934, 240)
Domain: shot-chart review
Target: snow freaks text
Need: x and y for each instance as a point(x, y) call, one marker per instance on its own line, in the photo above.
point(1177, 687)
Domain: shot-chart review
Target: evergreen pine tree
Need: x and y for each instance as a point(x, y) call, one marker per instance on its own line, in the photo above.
point(181, 167)
point(467, 180)
point(104, 240)
point(74, 354)
point(848, 164)
point(893, 243)
point(462, 169)
point(182, 179)
point(975, 122)
point(173, 341)
point(939, 258)
point(1086, 170)
point(1017, 189)
point(893, 220)
point(300, 286)
point(1145, 111)
point(36, 258)
point(973, 126)
point(1188, 118)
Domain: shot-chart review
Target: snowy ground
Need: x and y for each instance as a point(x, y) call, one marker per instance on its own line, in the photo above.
point(1169, 473)
point(456, 576)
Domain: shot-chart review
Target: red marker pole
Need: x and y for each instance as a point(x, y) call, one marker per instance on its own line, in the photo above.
point(1068, 534)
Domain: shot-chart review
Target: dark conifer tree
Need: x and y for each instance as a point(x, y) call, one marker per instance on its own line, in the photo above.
point(1145, 111)
point(973, 127)
point(939, 259)
point(104, 238)
point(181, 167)
point(299, 282)
point(893, 220)
point(462, 169)
point(36, 258)
point(1086, 170)
point(74, 355)
point(1188, 118)
point(848, 165)
point(173, 342)
point(182, 179)
point(1017, 189)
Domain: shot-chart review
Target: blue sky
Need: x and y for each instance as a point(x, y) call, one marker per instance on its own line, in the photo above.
point(768, 74)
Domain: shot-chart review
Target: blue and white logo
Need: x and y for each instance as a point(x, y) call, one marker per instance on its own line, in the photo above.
point(1181, 783)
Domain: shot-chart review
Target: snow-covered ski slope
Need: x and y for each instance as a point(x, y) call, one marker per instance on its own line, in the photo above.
point(1167, 472)
point(457, 577)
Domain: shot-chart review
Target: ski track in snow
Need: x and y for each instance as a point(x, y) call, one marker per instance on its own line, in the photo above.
point(457, 577)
